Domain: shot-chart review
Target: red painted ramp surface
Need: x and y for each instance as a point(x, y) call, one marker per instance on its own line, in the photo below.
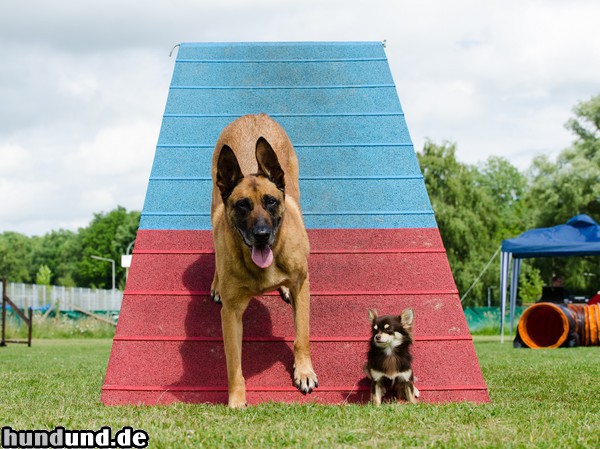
point(168, 345)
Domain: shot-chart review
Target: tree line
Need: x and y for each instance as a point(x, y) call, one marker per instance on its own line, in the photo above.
point(63, 257)
point(476, 207)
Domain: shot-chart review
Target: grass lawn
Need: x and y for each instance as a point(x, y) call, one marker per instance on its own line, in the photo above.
point(543, 398)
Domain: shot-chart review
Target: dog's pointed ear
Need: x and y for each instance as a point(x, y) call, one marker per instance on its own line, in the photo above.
point(406, 317)
point(268, 164)
point(229, 173)
point(372, 315)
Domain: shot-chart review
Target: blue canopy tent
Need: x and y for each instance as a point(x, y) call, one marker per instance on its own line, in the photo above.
point(580, 236)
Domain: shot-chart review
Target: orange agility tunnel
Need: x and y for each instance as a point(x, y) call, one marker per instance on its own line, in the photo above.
point(550, 325)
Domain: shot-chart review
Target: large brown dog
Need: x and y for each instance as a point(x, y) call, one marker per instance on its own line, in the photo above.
point(260, 241)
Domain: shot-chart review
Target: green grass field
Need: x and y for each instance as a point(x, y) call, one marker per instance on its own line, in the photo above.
point(544, 398)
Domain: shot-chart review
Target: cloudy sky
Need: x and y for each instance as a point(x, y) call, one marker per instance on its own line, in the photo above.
point(83, 84)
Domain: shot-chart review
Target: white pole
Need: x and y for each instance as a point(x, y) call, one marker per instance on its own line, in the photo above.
point(504, 265)
point(105, 259)
point(514, 284)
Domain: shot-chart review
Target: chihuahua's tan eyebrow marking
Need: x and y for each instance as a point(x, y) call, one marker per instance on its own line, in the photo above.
point(375, 327)
point(386, 326)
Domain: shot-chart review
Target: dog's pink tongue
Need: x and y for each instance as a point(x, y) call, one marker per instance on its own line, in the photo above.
point(263, 257)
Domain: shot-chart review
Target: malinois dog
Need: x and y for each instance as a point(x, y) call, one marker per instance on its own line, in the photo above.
point(260, 240)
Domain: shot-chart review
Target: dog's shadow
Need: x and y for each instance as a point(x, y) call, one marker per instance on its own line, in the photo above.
point(202, 354)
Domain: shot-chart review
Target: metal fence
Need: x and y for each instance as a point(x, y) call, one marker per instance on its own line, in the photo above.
point(41, 297)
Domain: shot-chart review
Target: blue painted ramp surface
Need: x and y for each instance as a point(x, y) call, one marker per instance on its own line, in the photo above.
point(336, 101)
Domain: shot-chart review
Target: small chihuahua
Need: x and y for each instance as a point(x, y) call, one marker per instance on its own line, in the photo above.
point(389, 362)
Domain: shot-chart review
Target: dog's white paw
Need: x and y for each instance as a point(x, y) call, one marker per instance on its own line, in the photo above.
point(305, 381)
point(417, 393)
point(215, 296)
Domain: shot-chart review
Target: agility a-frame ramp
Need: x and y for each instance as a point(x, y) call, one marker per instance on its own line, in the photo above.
point(374, 238)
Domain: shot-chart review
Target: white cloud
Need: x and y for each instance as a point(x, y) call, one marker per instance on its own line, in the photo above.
point(25, 199)
point(117, 150)
point(12, 158)
point(83, 84)
point(528, 63)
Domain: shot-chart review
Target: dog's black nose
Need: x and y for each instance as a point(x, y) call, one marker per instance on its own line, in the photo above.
point(378, 337)
point(262, 235)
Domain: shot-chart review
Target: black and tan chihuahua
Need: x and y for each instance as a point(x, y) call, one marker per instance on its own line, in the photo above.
point(389, 361)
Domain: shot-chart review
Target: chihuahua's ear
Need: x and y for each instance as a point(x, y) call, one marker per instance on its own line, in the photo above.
point(406, 317)
point(372, 315)
point(229, 173)
point(268, 164)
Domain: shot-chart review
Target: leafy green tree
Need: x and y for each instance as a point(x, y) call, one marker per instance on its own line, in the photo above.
point(466, 215)
point(43, 276)
point(108, 235)
point(15, 257)
point(506, 186)
point(63, 257)
point(59, 250)
point(570, 186)
point(530, 283)
point(586, 126)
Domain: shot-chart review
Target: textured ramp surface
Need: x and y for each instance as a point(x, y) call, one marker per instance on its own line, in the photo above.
point(374, 239)
point(337, 102)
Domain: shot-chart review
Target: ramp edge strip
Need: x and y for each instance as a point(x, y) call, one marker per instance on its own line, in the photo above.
point(301, 178)
point(280, 339)
point(299, 145)
point(317, 87)
point(356, 212)
point(313, 293)
point(316, 251)
point(275, 61)
point(285, 389)
point(297, 114)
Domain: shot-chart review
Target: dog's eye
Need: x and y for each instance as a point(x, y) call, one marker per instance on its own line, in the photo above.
point(269, 201)
point(243, 205)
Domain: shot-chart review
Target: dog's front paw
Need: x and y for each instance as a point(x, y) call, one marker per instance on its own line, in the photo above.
point(237, 402)
point(237, 397)
point(214, 289)
point(284, 292)
point(215, 296)
point(305, 380)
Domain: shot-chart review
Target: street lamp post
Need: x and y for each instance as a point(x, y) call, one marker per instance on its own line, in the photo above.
point(113, 267)
point(126, 259)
